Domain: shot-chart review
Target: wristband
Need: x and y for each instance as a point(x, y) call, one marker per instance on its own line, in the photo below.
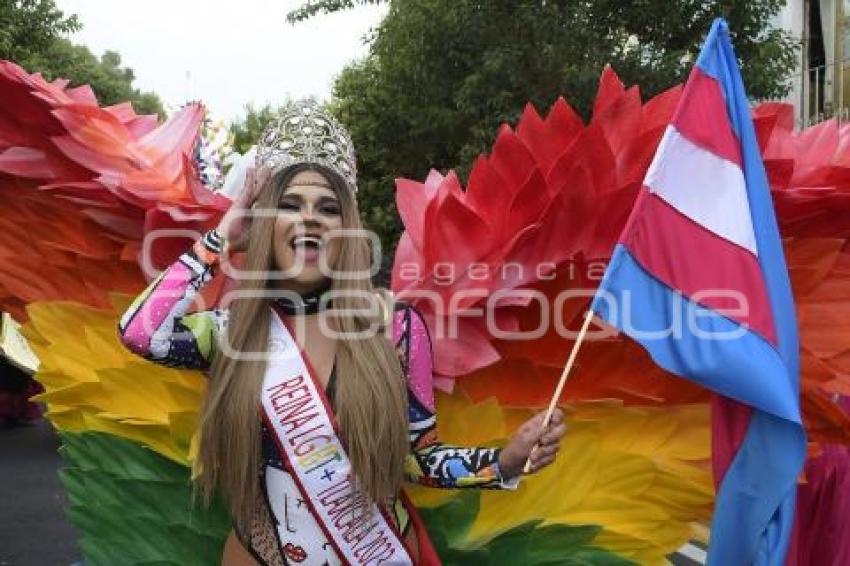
point(208, 248)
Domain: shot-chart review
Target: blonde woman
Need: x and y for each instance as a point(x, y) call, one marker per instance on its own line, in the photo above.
point(312, 419)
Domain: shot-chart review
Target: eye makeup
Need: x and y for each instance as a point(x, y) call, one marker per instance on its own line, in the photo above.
point(328, 206)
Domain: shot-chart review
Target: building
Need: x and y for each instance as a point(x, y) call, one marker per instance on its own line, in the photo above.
point(820, 86)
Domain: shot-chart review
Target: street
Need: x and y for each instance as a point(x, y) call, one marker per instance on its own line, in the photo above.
point(33, 528)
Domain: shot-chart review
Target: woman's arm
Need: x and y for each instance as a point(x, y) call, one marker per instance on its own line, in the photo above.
point(431, 462)
point(156, 325)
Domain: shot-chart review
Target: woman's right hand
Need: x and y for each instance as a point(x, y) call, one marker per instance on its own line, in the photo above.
point(234, 224)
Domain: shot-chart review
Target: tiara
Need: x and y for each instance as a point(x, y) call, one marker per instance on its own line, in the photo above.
point(306, 133)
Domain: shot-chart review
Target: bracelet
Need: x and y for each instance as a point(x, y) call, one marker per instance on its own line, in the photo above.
point(213, 241)
point(208, 248)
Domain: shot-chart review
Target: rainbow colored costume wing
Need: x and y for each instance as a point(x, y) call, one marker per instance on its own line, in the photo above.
point(82, 185)
point(556, 193)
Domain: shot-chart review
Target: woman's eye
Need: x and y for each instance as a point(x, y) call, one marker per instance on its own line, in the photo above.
point(330, 209)
point(289, 206)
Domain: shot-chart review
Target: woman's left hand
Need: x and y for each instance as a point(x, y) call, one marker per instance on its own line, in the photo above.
point(513, 456)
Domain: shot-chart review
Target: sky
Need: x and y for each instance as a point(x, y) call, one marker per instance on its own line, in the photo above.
point(225, 53)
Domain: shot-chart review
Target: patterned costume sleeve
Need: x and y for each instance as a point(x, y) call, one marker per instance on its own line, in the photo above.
point(156, 325)
point(431, 462)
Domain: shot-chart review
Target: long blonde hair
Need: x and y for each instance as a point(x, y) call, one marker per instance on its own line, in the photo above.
point(370, 397)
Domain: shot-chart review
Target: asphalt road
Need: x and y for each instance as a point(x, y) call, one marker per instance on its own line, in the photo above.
point(33, 528)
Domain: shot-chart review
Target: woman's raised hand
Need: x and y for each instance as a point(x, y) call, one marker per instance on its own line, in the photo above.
point(522, 446)
point(234, 224)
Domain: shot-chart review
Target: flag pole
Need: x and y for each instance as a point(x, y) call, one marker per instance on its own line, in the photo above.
point(558, 390)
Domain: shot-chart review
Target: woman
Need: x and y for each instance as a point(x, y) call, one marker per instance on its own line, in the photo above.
point(311, 422)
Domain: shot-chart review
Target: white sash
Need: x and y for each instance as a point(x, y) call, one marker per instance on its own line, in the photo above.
point(297, 415)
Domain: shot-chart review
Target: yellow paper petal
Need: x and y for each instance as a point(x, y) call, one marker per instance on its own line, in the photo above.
point(639, 473)
point(93, 382)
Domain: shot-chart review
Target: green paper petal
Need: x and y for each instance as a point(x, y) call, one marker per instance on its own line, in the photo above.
point(133, 506)
point(528, 544)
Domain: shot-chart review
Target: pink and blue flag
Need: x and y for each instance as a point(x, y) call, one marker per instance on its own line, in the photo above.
point(698, 278)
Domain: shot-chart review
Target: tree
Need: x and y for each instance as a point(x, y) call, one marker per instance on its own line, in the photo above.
point(247, 130)
point(29, 27)
point(442, 75)
point(313, 8)
point(111, 82)
point(31, 35)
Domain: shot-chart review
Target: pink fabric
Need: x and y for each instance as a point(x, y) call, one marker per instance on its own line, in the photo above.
point(664, 241)
point(729, 422)
point(420, 372)
point(705, 187)
point(705, 120)
point(155, 309)
point(821, 528)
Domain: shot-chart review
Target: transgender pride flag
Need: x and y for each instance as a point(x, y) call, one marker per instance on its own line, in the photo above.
point(698, 278)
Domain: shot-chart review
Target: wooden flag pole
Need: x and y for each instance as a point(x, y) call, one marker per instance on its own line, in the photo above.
point(558, 390)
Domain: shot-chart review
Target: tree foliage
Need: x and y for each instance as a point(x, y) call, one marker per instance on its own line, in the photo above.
point(30, 26)
point(442, 75)
point(312, 8)
point(31, 35)
point(246, 131)
point(111, 82)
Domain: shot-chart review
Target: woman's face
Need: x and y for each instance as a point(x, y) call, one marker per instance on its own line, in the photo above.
point(308, 210)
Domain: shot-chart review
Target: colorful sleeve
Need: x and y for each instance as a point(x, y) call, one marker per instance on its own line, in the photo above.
point(431, 462)
point(156, 325)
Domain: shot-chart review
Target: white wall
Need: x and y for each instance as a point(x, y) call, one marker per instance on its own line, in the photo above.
point(792, 19)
